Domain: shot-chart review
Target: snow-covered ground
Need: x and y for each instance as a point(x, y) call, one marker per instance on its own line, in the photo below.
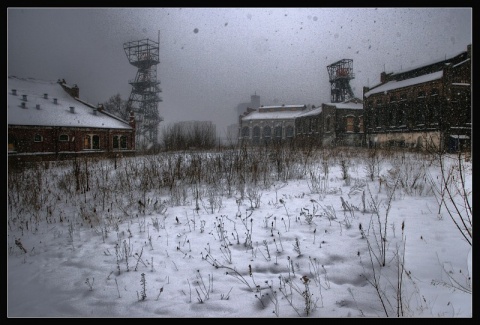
point(238, 234)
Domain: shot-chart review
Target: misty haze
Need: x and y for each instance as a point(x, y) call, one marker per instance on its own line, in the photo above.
point(213, 59)
point(239, 162)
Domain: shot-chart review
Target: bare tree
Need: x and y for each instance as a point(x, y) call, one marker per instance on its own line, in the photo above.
point(187, 135)
point(117, 106)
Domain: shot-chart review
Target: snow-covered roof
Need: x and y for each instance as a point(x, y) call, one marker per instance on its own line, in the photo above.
point(277, 115)
point(314, 111)
point(431, 62)
point(460, 63)
point(405, 83)
point(346, 105)
point(49, 113)
point(282, 106)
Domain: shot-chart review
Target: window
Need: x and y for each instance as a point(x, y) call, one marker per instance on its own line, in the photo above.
point(96, 142)
point(420, 108)
point(37, 138)
point(299, 126)
point(119, 142)
point(63, 137)
point(278, 132)
point(328, 124)
point(245, 132)
point(391, 117)
point(87, 143)
point(12, 143)
point(267, 132)
point(91, 142)
point(115, 142)
point(289, 131)
point(421, 115)
point(256, 134)
point(350, 127)
point(400, 116)
point(312, 125)
point(123, 142)
point(360, 124)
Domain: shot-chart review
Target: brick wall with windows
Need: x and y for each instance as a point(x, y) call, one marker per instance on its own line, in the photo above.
point(55, 140)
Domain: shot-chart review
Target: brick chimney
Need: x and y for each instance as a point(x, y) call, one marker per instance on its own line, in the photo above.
point(131, 122)
point(383, 77)
point(73, 91)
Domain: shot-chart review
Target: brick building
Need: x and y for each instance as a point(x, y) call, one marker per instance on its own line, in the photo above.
point(332, 124)
point(48, 121)
point(269, 124)
point(424, 107)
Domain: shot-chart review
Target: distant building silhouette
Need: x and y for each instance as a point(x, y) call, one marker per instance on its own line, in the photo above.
point(254, 103)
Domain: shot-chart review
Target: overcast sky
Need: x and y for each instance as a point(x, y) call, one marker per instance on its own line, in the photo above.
point(212, 59)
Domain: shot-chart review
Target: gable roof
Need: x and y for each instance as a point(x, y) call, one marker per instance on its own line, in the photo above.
point(405, 83)
point(50, 114)
point(311, 112)
point(276, 115)
point(346, 105)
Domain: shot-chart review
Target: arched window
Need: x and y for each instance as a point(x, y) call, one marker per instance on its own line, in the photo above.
point(116, 144)
point(63, 137)
point(37, 138)
point(289, 131)
point(120, 142)
point(123, 142)
point(12, 143)
point(298, 124)
point(256, 134)
point(278, 132)
point(96, 142)
point(245, 132)
point(91, 141)
point(267, 132)
point(87, 142)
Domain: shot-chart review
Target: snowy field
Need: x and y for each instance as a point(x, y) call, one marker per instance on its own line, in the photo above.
point(242, 233)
